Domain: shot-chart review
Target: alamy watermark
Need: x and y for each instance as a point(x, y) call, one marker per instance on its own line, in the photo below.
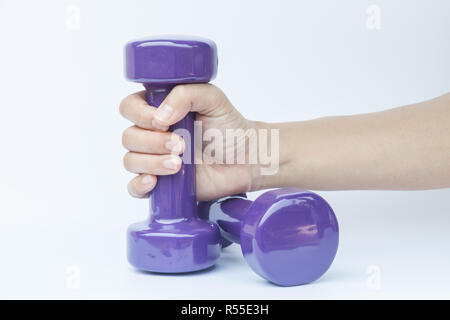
point(239, 146)
point(373, 281)
point(73, 279)
point(73, 18)
point(373, 21)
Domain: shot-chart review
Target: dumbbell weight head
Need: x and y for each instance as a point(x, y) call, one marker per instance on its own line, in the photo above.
point(287, 236)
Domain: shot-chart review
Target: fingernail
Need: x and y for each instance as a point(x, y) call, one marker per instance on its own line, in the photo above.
point(164, 112)
point(171, 163)
point(156, 125)
point(146, 180)
point(175, 146)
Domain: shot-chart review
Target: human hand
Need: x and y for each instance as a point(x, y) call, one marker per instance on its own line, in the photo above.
point(154, 151)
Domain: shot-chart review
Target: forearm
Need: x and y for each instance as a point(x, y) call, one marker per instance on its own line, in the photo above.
point(405, 148)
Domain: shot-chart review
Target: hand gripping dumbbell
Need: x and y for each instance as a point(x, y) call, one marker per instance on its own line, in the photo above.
point(287, 236)
point(173, 239)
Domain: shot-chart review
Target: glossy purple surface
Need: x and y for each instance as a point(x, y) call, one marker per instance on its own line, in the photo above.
point(171, 59)
point(173, 239)
point(288, 236)
point(223, 214)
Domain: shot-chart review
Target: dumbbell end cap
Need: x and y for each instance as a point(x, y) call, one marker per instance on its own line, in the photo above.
point(289, 236)
point(171, 59)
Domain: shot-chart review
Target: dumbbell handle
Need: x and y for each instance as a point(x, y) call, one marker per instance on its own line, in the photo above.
point(228, 215)
point(174, 195)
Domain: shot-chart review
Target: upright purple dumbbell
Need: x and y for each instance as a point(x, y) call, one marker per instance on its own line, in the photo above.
point(173, 238)
point(288, 236)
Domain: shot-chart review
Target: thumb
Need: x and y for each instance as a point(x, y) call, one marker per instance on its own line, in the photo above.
point(203, 98)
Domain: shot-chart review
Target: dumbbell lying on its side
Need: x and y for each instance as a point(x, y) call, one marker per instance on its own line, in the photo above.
point(288, 236)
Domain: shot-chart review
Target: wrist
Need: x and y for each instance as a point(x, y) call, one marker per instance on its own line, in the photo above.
point(272, 156)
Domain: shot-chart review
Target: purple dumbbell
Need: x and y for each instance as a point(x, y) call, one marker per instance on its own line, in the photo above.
point(173, 239)
point(287, 236)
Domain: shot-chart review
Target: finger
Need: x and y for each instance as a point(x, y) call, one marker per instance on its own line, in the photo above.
point(203, 98)
point(140, 186)
point(151, 163)
point(145, 141)
point(136, 109)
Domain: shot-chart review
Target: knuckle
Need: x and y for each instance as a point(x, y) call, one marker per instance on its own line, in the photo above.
point(143, 118)
point(216, 93)
point(180, 90)
point(123, 106)
point(126, 137)
point(217, 90)
point(126, 160)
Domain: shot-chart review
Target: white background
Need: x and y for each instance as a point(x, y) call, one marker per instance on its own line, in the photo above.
point(63, 201)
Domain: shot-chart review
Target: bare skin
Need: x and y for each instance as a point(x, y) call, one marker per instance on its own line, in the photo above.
point(406, 148)
point(147, 139)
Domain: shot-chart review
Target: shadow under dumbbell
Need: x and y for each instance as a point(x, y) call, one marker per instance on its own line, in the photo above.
point(231, 258)
point(338, 276)
point(175, 274)
point(326, 279)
